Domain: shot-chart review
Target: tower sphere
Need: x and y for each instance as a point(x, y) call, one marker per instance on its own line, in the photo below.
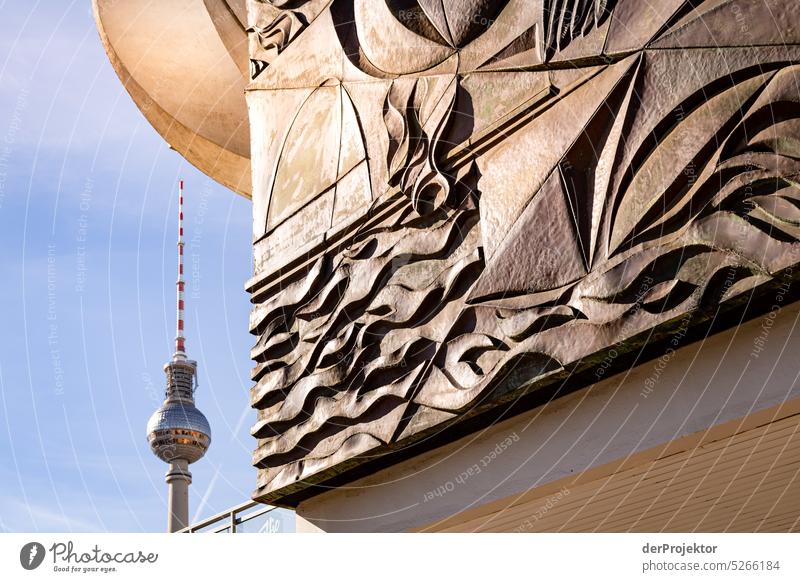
point(178, 430)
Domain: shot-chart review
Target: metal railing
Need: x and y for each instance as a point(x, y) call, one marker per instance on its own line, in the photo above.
point(249, 517)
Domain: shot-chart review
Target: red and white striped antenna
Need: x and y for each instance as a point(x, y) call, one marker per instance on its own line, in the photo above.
point(180, 346)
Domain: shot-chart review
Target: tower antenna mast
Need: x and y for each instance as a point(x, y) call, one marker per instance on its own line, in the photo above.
point(178, 432)
point(180, 340)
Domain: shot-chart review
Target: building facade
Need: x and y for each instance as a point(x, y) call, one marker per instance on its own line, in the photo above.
point(519, 265)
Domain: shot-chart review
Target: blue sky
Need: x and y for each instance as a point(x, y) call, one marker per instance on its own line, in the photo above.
point(88, 195)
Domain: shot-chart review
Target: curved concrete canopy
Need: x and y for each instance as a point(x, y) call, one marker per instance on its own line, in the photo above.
point(184, 63)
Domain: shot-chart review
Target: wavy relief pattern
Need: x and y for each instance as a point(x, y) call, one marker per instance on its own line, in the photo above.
point(350, 341)
point(380, 341)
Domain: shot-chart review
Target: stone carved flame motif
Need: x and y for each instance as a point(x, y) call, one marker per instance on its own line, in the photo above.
point(596, 209)
point(414, 143)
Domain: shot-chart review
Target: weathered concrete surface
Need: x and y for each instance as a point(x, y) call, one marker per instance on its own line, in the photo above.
point(460, 205)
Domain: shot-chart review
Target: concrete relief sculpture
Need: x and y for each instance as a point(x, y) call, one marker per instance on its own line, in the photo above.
point(543, 182)
point(459, 204)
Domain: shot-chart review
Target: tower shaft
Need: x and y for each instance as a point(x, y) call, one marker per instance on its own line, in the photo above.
point(178, 480)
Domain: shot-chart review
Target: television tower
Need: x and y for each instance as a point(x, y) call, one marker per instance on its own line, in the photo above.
point(178, 432)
